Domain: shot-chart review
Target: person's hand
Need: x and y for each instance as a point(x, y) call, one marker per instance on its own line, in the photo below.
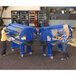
point(61, 39)
point(12, 39)
point(9, 39)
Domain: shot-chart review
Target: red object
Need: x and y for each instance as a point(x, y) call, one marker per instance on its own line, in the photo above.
point(35, 18)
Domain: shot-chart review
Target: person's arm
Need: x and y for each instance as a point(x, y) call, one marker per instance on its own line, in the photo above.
point(6, 35)
point(66, 30)
point(67, 34)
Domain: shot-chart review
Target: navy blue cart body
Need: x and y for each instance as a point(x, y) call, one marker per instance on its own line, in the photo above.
point(20, 34)
point(47, 31)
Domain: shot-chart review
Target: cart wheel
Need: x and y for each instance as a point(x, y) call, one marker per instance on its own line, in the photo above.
point(44, 54)
point(30, 53)
point(51, 57)
point(22, 55)
point(12, 50)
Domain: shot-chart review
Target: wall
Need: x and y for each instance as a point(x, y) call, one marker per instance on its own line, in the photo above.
point(56, 22)
point(63, 18)
point(7, 13)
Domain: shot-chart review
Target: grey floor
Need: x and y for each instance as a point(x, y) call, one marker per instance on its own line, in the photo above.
point(37, 61)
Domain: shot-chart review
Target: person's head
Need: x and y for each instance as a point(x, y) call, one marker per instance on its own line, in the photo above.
point(65, 26)
point(4, 27)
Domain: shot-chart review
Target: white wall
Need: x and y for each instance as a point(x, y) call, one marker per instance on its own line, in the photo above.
point(0, 10)
point(7, 13)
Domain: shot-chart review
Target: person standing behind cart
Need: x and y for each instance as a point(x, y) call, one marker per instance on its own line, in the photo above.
point(64, 41)
point(3, 39)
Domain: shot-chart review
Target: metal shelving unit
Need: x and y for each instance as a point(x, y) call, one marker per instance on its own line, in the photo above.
point(21, 17)
point(41, 18)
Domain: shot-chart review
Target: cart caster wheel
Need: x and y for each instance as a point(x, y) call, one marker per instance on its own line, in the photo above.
point(51, 57)
point(12, 50)
point(22, 55)
point(30, 53)
point(44, 54)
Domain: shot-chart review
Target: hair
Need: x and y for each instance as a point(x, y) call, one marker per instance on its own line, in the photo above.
point(4, 26)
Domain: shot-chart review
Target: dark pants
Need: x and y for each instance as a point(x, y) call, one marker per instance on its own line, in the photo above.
point(65, 50)
point(4, 47)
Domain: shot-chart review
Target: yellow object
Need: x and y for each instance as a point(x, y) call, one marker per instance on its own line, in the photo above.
point(3, 36)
